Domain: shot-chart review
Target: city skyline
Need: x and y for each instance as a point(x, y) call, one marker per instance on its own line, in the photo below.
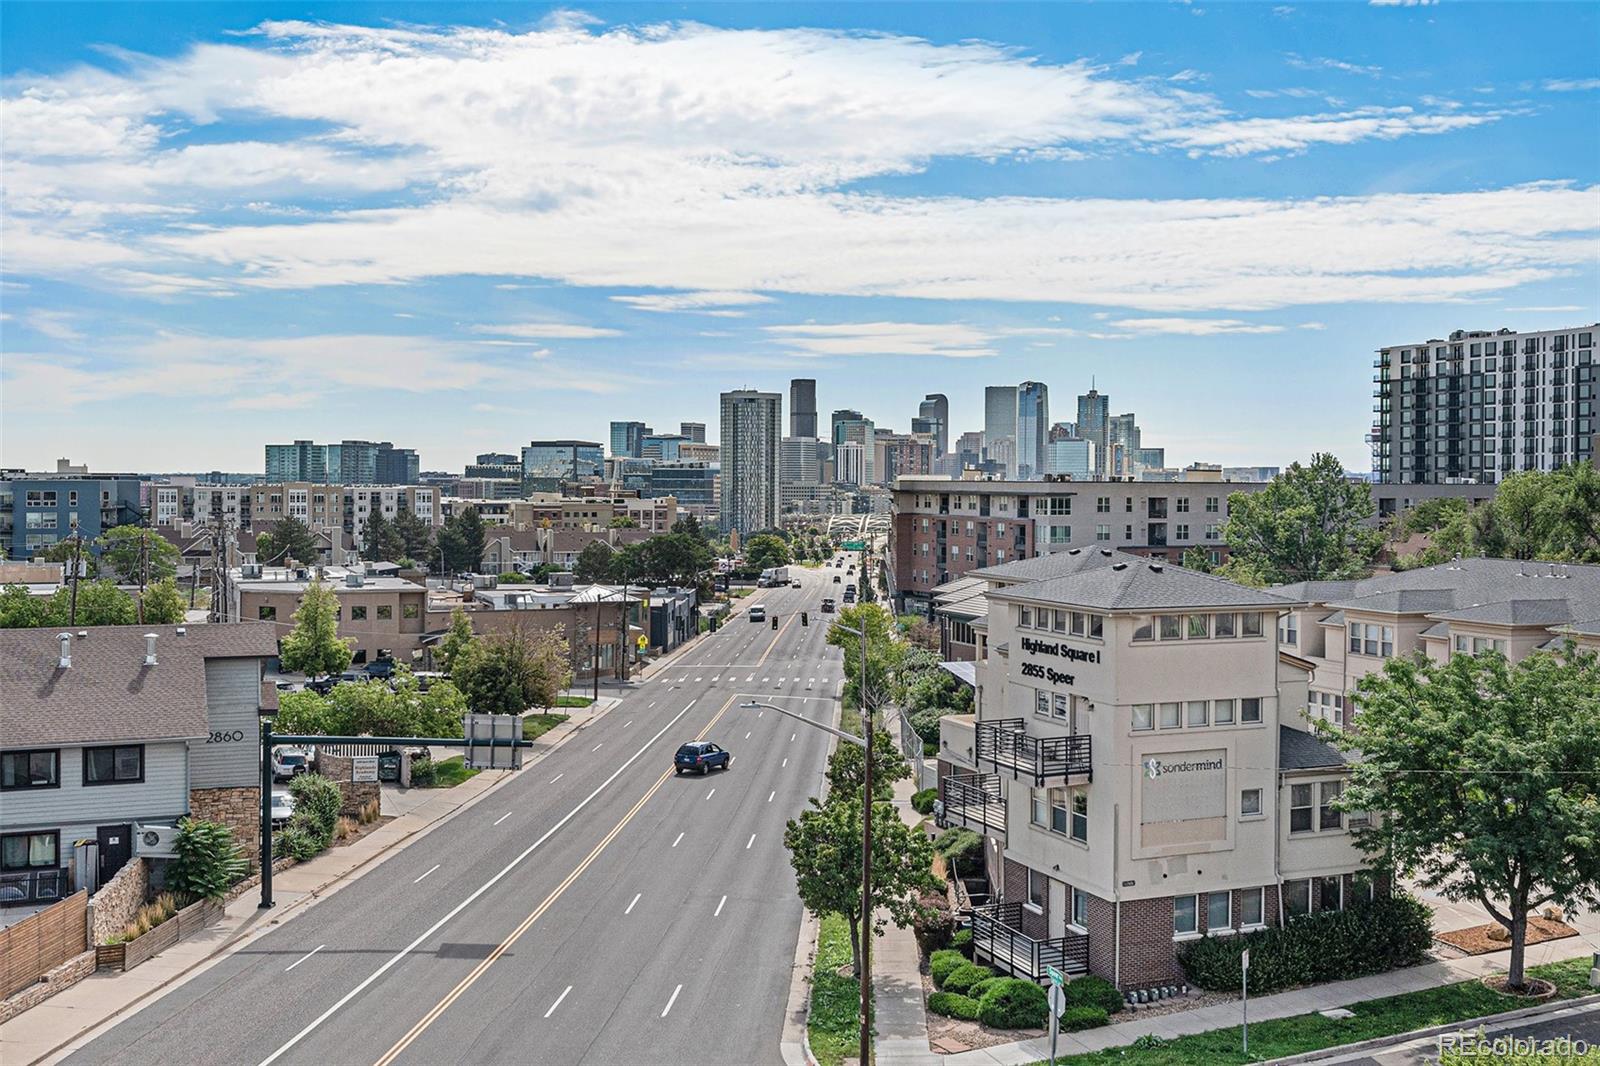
point(1277, 192)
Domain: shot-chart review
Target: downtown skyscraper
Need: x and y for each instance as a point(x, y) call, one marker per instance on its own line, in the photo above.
point(752, 429)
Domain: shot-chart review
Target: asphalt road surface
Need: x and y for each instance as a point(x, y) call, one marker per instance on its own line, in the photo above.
point(595, 909)
point(1576, 1024)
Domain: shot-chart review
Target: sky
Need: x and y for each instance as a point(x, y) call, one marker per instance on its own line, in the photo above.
point(464, 227)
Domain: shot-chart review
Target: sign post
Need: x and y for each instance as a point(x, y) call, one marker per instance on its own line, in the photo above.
point(1244, 1002)
point(1058, 1003)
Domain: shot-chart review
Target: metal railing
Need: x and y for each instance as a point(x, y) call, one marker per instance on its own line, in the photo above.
point(1005, 744)
point(34, 886)
point(975, 801)
point(997, 933)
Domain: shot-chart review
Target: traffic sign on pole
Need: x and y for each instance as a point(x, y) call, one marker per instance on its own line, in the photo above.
point(1244, 997)
point(1058, 1002)
point(1057, 978)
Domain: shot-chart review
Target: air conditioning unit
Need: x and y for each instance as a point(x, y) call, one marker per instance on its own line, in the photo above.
point(155, 841)
point(250, 570)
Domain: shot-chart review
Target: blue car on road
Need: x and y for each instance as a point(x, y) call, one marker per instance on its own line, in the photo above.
point(701, 756)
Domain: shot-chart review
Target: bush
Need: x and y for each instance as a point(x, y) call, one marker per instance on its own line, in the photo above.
point(953, 1006)
point(1083, 1017)
point(922, 802)
point(422, 773)
point(934, 923)
point(942, 964)
point(298, 844)
point(1366, 938)
point(963, 848)
point(961, 940)
point(963, 977)
point(318, 799)
point(1012, 1003)
point(1094, 992)
point(977, 990)
point(208, 861)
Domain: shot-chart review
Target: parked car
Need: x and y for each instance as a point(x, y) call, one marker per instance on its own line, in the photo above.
point(288, 763)
point(282, 809)
point(383, 668)
point(353, 675)
point(758, 613)
point(701, 756)
point(322, 685)
point(283, 686)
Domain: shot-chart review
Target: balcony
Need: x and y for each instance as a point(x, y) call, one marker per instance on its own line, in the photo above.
point(33, 886)
point(1006, 746)
point(975, 801)
point(997, 935)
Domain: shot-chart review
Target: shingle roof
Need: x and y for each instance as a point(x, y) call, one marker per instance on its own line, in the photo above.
point(1438, 629)
point(1334, 619)
point(1401, 601)
point(1142, 584)
point(108, 694)
point(1588, 627)
point(1055, 564)
point(1463, 583)
point(1299, 750)
point(1512, 613)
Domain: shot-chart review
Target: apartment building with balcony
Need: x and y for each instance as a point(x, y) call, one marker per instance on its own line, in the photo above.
point(1140, 766)
point(1481, 405)
point(322, 507)
point(38, 510)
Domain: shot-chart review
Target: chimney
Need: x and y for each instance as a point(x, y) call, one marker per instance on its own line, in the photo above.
point(149, 649)
point(65, 662)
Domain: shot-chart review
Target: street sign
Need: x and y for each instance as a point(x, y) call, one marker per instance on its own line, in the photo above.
point(1057, 978)
point(489, 740)
point(1244, 999)
point(1244, 959)
point(1057, 997)
point(364, 768)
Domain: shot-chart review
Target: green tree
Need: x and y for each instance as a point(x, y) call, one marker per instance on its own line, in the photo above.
point(825, 849)
point(1307, 525)
point(461, 540)
point(764, 550)
point(847, 769)
point(134, 555)
point(1195, 558)
point(100, 603)
point(883, 653)
point(381, 540)
point(313, 647)
point(689, 526)
point(62, 551)
point(457, 639)
point(1487, 777)
point(416, 536)
point(21, 610)
point(622, 521)
point(509, 672)
point(163, 604)
point(289, 538)
point(594, 563)
point(208, 862)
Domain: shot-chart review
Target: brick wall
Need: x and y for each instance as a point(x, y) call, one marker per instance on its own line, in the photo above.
point(237, 808)
point(118, 900)
point(1147, 950)
point(1102, 938)
point(1034, 924)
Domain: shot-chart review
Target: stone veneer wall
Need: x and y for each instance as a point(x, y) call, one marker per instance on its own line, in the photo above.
point(237, 808)
point(59, 979)
point(118, 900)
point(339, 769)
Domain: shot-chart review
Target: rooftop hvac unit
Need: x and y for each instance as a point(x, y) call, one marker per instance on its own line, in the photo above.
point(354, 580)
point(155, 841)
point(250, 570)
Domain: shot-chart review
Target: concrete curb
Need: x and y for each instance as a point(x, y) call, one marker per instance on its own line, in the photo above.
point(806, 950)
point(1548, 1007)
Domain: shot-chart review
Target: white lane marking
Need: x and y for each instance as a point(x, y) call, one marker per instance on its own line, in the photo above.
point(714, 680)
point(792, 736)
point(747, 843)
point(760, 713)
point(596, 747)
point(557, 1003)
point(699, 679)
point(785, 763)
point(652, 704)
point(811, 681)
point(419, 880)
point(713, 792)
point(671, 1001)
point(774, 792)
point(558, 777)
point(720, 902)
point(427, 933)
point(627, 723)
point(502, 818)
point(764, 680)
point(682, 679)
point(630, 906)
point(752, 677)
point(304, 957)
point(675, 842)
point(781, 680)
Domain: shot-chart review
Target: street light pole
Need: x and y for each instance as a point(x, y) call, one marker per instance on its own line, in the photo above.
point(865, 707)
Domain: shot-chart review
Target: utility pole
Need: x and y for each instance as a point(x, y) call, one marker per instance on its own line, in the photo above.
point(595, 637)
point(77, 564)
point(144, 565)
point(866, 862)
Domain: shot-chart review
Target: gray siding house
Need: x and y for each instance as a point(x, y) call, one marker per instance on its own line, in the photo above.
point(108, 727)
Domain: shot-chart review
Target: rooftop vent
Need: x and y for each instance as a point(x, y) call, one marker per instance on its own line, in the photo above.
point(1156, 568)
point(182, 631)
point(150, 649)
point(1106, 552)
point(1119, 566)
point(65, 662)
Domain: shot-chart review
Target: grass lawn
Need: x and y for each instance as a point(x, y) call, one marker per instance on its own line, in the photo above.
point(1312, 1032)
point(573, 701)
point(537, 725)
point(835, 1001)
point(451, 772)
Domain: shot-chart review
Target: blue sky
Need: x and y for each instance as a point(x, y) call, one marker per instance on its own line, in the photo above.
point(461, 227)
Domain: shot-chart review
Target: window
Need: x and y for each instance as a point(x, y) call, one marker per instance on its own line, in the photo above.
point(1250, 709)
point(1080, 910)
point(385, 611)
point(1026, 620)
point(1142, 717)
point(1097, 630)
point(1221, 712)
point(1058, 707)
point(113, 765)
point(408, 610)
point(1199, 627)
point(1080, 815)
point(1171, 715)
point(1102, 532)
point(1288, 630)
point(1364, 888)
point(1250, 625)
point(267, 614)
point(1080, 623)
point(1211, 505)
point(1219, 910)
point(1224, 627)
point(1371, 639)
point(30, 769)
point(1329, 893)
point(358, 613)
point(1038, 808)
point(1058, 623)
point(1328, 817)
point(1041, 702)
point(1038, 889)
point(1251, 911)
point(1250, 803)
point(1197, 713)
point(1170, 627)
point(1144, 630)
point(1300, 808)
point(1058, 811)
point(1183, 504)
point(1102, 504)
point(1359, 819)
point(30, 851)
point(1185, 916)
point(1297, 897)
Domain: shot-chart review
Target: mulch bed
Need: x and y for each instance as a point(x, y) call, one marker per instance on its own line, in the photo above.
point(1475, 940)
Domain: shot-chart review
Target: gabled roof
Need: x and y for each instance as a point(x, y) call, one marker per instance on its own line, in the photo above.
point(108, 693)
point(1334, 619)
point(1134, 583)
point(1512, 613)
point(1438, 629)
point(1299, 750)
point(1401, 601)
point(1463, 583)
point(1055, 564)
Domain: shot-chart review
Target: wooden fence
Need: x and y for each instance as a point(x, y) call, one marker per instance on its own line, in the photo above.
point(41, 942)
point(180, 926)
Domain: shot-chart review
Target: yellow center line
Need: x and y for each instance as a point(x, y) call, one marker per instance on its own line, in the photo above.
point(527, 923)
point(775, 640)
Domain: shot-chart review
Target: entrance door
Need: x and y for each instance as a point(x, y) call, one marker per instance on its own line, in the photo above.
point(116, 848)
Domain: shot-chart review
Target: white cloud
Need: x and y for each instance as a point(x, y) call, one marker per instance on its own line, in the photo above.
point(705, 303)
point(1130, 60)
point(948, 339)
point(1300, 62)
point(1401, 3)
point(1553, 309)
point(546, 330)
point(57, 325)
point(1313, 325)
point(1194, 327)
point(1252, 136)
point(1571, 85)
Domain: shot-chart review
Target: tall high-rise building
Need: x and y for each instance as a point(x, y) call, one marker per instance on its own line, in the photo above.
point(1000, 423)
point(1033, 429)
point(547, 463)
point(850, 462)
point(627, 439)
point(695, 431)
point(800, 464)
point(935, 408)
point(1094, 416)
point(859, 431)
point(1482, 405)
point(752, 427)
point(1070, 456)
point(803, 407)
point(350, 462)
point(1123, 438)
point(969, 450)
point(843, 415)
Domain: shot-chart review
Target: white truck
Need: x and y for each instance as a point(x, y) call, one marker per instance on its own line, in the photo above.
point(773, 577)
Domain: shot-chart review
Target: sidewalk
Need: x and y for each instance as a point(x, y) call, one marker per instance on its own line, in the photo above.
point(41, 1031)
point(1262, 1008)
point(900, 1020)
